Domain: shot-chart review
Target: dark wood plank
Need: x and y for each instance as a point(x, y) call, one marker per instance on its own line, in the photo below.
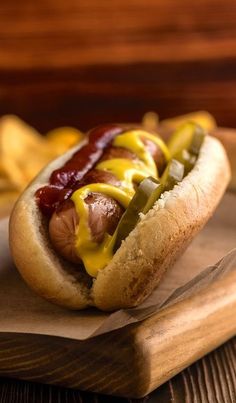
point(61, 33)
point(87, 62)
point(97, 94)
point(210, 380)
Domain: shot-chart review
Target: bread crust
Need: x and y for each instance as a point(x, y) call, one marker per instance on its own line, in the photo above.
point(138, 265)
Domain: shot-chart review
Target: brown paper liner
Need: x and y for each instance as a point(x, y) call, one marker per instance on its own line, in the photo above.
point(22, 311)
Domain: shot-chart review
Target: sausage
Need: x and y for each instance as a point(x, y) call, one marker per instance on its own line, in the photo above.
point(62, 231)
point(155, 151)
point(104, 215)
point(104, 212)
point(117, 152)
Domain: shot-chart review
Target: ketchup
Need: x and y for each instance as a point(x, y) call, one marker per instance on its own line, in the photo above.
point(63, 180)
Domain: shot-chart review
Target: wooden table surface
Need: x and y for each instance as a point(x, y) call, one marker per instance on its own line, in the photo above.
point(210, 380)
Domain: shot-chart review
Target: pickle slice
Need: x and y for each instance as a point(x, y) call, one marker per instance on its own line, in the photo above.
point(152, 188)
point(187, 159)
point(188, 154)
point(185, 145)
point(197, 141)
point(145, 196)
point(183, 137)
point(173, 174)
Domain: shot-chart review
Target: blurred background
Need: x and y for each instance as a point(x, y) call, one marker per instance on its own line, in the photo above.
point(85, 62)
point(70, 65)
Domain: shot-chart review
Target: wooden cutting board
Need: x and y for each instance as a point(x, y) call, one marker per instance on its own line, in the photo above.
point(138, 358)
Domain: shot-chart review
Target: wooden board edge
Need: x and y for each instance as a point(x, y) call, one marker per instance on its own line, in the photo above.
point(105, 364)
point(185, 332)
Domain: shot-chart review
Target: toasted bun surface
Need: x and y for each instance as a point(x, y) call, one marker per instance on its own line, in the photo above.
point(228, 139)
point(138, 265)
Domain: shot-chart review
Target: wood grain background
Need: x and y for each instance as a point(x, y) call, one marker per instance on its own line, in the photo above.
point(86, 62)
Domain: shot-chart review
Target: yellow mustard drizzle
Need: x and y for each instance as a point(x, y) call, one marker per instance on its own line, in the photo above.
point(92, 254)
point(96, 256)
point(126, 171)
point(131, 140)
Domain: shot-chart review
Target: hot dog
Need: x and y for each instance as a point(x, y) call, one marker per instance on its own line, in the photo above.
point(104, 211)
point(104, 222)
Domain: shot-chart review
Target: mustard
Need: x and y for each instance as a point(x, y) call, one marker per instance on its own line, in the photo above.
point(92, 254)
point(131, 141)
point(126, 171)
point(96, 256)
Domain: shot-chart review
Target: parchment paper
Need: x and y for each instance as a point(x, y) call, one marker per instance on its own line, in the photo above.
point(22, 311)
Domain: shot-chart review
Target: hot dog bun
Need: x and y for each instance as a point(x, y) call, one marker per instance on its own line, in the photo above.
point(228, 139)
point(138, 265)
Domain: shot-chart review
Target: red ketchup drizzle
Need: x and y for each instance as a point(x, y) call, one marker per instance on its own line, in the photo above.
point(63, 180)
